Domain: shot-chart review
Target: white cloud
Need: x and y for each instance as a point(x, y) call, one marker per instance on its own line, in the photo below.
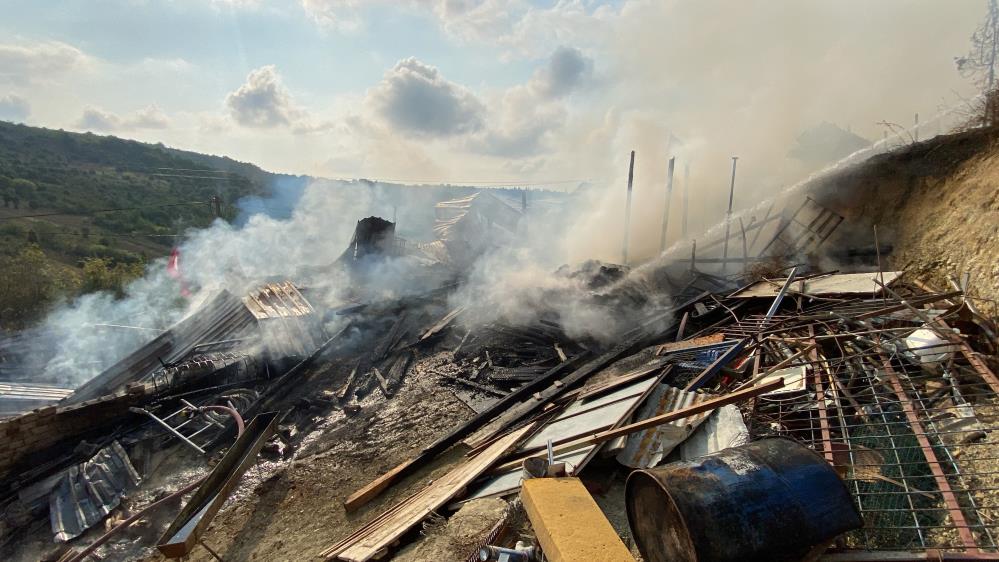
point(38, 61)
point(97, 119)
point(415, 99)
point(337, 14)
point(14, 108)
point(262, 101)
point(517, 26)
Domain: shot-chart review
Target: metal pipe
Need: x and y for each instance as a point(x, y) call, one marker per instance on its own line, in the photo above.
point(728, 215)
point(686, 201)
point(669, 197)
point(168, 427)
point(627, 209)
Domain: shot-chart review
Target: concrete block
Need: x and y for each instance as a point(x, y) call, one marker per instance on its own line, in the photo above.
point(569, 524)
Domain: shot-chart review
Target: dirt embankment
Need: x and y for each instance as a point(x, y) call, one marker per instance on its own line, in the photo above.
point(936, 206)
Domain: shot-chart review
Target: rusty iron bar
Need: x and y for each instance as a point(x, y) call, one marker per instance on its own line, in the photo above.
point(954, 507)
point(820, 398)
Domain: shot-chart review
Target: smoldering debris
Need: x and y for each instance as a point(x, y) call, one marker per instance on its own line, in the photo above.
point(390, 381)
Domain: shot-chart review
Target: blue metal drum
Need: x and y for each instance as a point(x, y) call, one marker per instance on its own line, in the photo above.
point(767, 501)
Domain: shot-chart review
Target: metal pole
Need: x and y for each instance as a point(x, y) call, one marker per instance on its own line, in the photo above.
point(167, 427)
point(728, 215)
point(686, 190)
point(916, 127)
point(669, 196)
point(627, 209)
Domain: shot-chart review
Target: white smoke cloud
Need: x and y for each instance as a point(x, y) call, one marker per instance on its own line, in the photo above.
point(224, 256)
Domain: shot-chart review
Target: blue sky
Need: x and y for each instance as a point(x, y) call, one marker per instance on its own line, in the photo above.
point(482, 90)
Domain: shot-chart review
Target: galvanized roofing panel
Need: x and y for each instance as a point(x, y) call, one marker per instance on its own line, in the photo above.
point(839, 284)
point(88, 492)
point(647, 448)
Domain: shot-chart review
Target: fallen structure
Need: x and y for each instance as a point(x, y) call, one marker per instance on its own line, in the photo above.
point(880, 385)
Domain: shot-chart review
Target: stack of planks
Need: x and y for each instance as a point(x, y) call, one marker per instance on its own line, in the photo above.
point(373, 539)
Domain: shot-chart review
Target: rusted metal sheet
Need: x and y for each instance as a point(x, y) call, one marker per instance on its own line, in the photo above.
point(646, 449)
point(278, 300)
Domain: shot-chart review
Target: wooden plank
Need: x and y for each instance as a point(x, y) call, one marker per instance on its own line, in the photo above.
point(182, 535)
point(376, 537)
point(569, 525)
point(376, 486)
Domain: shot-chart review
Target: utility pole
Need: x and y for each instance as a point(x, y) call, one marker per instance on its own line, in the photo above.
point(216, 206)
point(686, 192)
point(669, 196)
point(728, 215)
point(916, 128)
point(627, 208)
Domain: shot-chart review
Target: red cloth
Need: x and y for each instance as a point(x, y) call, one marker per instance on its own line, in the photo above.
point(173, 270)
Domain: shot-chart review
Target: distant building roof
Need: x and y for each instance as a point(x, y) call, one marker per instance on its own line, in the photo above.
point(826, 143)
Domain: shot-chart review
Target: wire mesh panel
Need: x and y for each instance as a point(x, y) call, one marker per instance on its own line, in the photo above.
point(912, 439)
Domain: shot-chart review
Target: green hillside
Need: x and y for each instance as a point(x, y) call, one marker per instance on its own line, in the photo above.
point(82, 212)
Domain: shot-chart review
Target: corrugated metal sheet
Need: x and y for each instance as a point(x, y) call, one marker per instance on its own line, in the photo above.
point(839, 284)
point(222, 317)
point(17, 398)
point(648, 448)
point(582, 417)
point(88, 492)
point(277, 300)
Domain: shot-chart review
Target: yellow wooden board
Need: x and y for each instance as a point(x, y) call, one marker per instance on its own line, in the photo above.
point(569, 524)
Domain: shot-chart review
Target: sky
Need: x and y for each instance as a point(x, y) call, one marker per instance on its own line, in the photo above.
point(461, 91)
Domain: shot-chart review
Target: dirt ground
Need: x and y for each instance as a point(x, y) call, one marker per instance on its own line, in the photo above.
point(286, 511)
point(935, 205)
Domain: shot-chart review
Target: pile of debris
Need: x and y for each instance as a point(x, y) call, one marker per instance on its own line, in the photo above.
point(808, 414)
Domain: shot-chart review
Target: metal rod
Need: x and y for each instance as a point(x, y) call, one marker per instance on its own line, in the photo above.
point(669, 197)
point(627, 210)
point(168, 428)
point(728, 214)
point(686, 202)
point(934, 464)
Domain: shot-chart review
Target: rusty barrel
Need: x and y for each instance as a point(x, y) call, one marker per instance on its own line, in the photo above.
point(770, 500)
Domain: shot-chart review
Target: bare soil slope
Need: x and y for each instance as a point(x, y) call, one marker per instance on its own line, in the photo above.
point(936, 206)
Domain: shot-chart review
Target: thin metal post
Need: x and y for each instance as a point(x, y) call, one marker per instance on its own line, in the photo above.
point(669, 196)
point(881, 274)
point(728, 215)
point(686, 192)
point(627, 209)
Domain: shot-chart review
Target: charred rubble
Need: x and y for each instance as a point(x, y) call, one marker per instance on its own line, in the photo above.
point(858, 404)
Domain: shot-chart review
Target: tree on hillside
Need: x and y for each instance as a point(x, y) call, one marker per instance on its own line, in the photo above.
point(28, 285)
point(980, 63)
point(22, 190)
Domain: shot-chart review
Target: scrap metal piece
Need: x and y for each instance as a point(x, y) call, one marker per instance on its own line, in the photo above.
point(185, 531)
point(89, 491)
point(648, 448)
